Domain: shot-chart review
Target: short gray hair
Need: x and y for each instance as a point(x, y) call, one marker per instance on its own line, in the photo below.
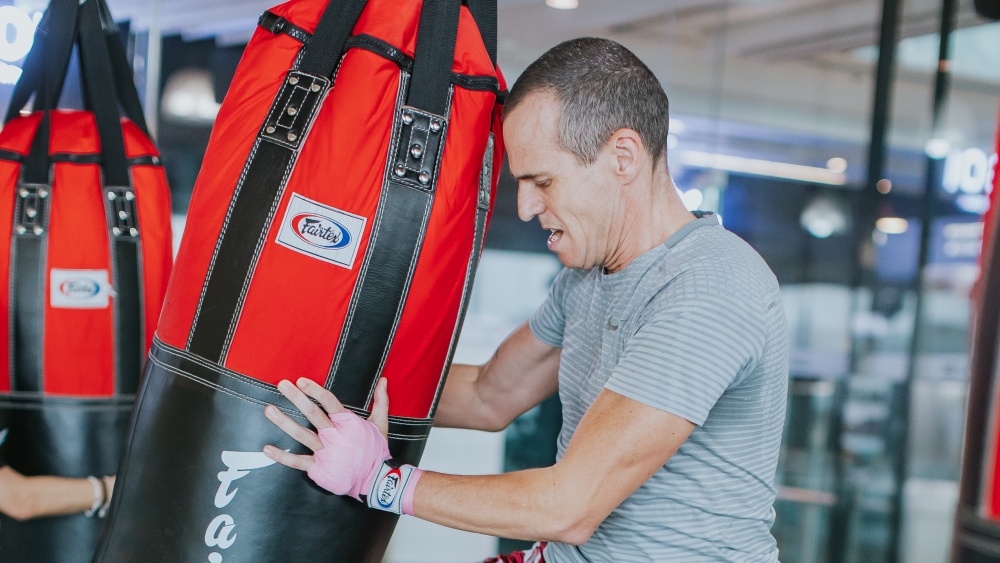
point(603, 87)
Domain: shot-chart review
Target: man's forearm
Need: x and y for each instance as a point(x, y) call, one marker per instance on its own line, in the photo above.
point(528, 505)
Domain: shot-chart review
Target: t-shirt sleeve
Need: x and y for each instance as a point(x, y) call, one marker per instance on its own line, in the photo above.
point(549, 321)
point(689, 346)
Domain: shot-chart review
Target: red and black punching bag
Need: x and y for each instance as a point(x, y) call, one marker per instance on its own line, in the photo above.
point(87, 210)
point(333, 234)
point(977, 520)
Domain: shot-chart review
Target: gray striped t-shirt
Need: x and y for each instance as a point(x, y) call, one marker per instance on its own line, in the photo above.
point(694, 327)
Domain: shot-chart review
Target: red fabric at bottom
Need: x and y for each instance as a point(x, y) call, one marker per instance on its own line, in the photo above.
point(533, 555)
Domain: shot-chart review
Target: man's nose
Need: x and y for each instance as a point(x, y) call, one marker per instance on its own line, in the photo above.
point(529, 204)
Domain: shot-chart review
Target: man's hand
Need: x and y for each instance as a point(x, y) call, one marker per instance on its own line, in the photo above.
point(349, 452)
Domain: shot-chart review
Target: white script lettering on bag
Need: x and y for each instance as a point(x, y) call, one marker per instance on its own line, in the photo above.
point(221, 530)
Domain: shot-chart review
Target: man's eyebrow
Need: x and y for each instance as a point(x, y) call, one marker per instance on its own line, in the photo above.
point(530, 176)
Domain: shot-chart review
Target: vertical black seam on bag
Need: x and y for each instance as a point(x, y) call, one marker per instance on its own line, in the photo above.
point(256, 196)
point(30, 242)
point(482, 211)
point(392, 256)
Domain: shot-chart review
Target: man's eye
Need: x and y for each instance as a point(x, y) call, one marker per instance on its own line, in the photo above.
point(543, 183)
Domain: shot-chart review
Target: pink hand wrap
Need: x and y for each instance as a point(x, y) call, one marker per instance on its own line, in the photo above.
point(354, 461)
point(353, 450)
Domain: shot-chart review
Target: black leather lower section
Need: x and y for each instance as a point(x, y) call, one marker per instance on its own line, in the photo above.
point(178, 493)
point(66, 437)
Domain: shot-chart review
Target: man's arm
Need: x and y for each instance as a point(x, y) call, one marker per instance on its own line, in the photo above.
point(23, 498)
point(618, 445)
point(521, 374)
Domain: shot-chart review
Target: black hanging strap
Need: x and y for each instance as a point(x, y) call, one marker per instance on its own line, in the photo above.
point(42, 78)
point(485, 14)
point(261, 183)
point(124, 81)
point(100, 86)
point(420, 130)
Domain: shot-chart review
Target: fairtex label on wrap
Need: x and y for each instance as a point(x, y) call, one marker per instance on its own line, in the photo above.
point(321, 231)
point(387, 489)
point(79, 289)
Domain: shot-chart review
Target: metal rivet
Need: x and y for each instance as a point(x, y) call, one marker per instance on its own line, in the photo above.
point(292, 136)
point(38, 230)
point(292, 111)
point(23, 193)
point(43, 193)
point(314, 87)
point(293, 79)
point(116, 231)
point(416, 150)
point(269, 130)
point(20, 229)
point(122, 215)
point(129, 196)
point(31, 212)
point(400, 170)
point(134, 232)
point(435, 125)
point(407, 117)
point(112, 196)
point(425, 177)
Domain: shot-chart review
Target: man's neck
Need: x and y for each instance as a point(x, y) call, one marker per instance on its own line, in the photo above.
point(649, 218)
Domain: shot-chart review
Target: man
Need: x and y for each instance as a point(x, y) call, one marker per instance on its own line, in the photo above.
point(664, 336)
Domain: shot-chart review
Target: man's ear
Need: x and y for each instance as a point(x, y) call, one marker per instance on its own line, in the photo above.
point(628, 154)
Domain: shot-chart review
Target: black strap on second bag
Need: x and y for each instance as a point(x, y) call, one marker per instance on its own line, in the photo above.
point(101, 92)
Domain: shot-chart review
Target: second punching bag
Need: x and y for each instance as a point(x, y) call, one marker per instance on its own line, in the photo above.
point(333, 234)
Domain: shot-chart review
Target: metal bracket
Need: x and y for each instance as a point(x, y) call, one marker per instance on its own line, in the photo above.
point(31, 209)
point(294, 108)
point(122, 217)
point(419, 143)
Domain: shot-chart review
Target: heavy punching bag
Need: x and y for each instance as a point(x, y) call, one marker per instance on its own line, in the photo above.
point(333, 234)
point(976, 537)
point(86, 207)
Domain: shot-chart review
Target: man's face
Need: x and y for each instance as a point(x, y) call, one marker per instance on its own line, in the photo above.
point(576, 203)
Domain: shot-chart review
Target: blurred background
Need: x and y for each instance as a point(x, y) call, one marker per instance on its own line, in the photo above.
point(850, 142)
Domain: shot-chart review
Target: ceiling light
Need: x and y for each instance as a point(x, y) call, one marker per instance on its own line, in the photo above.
point(671, 141)
point(836, 164)
point(762, 167)
point(692, 199)
point(892, 225)
point(676, 125)
point(937, 148)
point(562, 4)
point(883, 186)
point(824, 217)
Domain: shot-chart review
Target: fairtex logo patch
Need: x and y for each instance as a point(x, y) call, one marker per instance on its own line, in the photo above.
point(387, 488)
point(79, 289)
point(321, 231)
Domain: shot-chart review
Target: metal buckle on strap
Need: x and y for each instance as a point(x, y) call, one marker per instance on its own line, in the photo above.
point(121, 212)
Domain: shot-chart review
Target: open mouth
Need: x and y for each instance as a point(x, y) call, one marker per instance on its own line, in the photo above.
point(554, 237)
